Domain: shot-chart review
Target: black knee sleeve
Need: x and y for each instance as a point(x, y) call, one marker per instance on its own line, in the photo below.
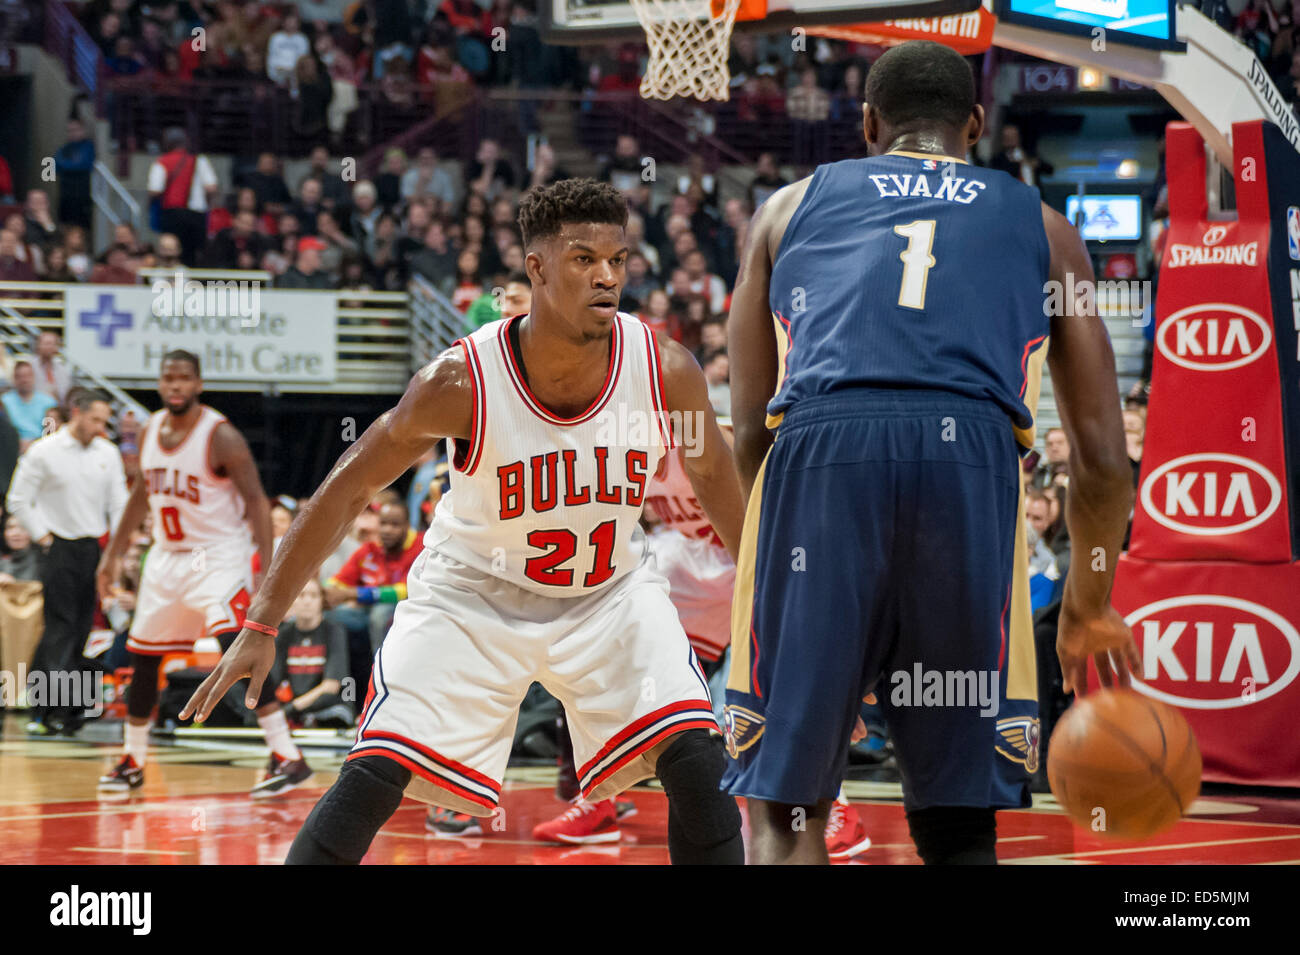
point(344, 822)
point(703, 821)
point(954, 835)
point(142, 694)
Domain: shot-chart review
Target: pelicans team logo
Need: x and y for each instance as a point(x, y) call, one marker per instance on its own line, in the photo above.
point(1018, 739)
point(741, 728)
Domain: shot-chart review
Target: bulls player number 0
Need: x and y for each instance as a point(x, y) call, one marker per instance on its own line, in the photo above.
point(171, 523)
point(561, 545)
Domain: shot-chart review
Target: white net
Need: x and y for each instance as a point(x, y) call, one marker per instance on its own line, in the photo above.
point(689, 47)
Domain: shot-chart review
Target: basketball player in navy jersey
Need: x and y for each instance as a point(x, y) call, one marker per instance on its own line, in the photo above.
point(534, 567)
point(887, 334)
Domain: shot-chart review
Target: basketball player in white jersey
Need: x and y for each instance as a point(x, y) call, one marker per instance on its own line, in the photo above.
point(534, 567)
point(199, 481)
point(701, 576)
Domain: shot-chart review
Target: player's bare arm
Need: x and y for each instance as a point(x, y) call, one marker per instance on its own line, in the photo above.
point(751, 337)
point(711, 469)
point(323, 688)
point(230, 457)
point(438, 403)
point(137, 506)
point(1101, 489)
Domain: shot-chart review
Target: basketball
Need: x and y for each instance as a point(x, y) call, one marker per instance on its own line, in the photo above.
point(1123, 765)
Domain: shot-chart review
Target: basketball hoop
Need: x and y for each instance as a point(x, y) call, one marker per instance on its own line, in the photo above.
point(690, 41)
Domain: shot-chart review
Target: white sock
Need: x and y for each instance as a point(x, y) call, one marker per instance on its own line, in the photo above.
point(278, 737)
point(137, 741)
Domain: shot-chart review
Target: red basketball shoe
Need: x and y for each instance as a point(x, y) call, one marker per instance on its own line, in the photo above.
point(581, 824)
point(845, 834)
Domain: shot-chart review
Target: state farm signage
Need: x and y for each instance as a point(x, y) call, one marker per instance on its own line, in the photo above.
point(1214, 336)
point(1213, 652)
point(1211, 494)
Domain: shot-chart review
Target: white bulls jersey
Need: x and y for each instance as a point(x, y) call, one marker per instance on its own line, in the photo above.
point(551, 504)
point(191, 506)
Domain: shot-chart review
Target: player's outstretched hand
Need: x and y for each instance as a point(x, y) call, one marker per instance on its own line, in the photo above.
point(251, 655)
point(1103, 636)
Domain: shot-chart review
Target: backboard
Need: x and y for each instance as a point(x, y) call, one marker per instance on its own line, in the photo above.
point(576, 22)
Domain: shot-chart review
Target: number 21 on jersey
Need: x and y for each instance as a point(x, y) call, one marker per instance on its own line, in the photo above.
point(561, 545)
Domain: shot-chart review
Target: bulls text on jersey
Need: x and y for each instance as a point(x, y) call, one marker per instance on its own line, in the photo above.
point(542, 482)
point(174, 483)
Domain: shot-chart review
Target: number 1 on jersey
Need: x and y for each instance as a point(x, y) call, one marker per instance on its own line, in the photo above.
point(917, 261)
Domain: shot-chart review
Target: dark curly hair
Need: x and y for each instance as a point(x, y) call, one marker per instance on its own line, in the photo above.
point(921, 82)
point(544, 210)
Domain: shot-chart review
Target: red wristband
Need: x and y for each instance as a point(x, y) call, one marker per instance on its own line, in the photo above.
point(261, 628)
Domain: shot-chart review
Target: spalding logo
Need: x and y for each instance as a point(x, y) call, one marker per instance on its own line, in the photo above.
point(1224, 493)
point(1214, 336)
point(1213, 652)
point(1214, 235)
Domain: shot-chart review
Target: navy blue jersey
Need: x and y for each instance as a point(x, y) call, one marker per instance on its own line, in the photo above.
point(913, 271)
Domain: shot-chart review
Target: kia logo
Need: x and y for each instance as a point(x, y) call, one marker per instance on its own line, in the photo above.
point(1214, 336)
point(1214, 235)
point(1230, 652)
point(1211, 486)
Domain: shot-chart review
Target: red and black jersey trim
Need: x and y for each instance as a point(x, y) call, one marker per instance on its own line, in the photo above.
point(158, 649)
point(428, 764)
point(530, 400)
point(657, 387)
point(643, 735)
point(467, 462)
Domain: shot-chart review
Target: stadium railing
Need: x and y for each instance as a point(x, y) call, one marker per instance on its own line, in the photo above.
point(435, 322)
point(67, 40)
point(114, 202)
point(232, 116)
point(22, 321)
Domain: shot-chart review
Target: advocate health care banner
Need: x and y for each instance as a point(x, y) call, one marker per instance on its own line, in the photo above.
point(239, 330)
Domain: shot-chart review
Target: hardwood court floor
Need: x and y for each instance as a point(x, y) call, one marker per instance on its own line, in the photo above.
point(194, 808)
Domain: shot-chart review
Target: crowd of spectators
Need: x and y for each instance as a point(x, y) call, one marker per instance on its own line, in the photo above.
point(1047, 483)
point(1269, 30)
point(413, 220)
point(450, 224)
point(404, 51)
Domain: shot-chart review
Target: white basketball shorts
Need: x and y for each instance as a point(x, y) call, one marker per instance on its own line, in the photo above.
point(702, 577)
point(189, 594)
point(465, 646)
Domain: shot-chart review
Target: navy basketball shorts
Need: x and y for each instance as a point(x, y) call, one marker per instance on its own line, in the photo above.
point(884, 552)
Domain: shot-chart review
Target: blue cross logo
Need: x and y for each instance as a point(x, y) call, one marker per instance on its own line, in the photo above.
point(105, 321)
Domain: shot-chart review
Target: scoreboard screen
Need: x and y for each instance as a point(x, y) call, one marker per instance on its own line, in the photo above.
point(1106, 218)
point(1138, 22)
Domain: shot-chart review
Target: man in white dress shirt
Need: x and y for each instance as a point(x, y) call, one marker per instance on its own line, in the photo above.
point(69, 489)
